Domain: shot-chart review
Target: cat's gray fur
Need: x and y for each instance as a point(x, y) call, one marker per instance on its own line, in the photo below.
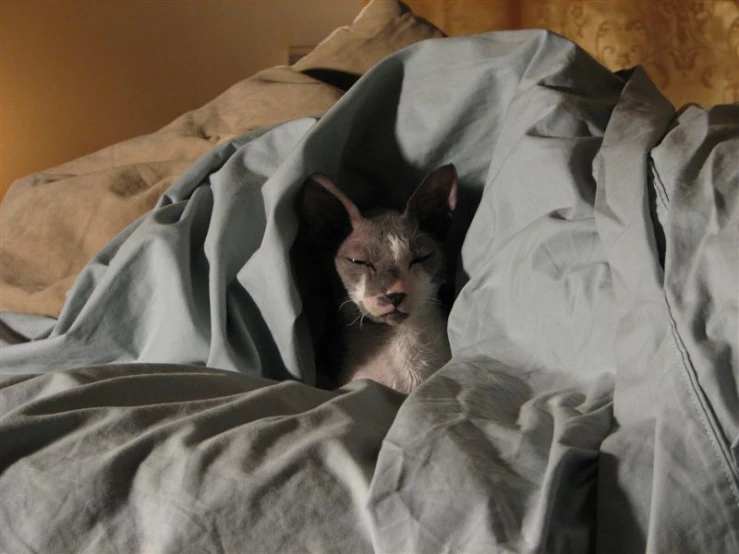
point(390, 266)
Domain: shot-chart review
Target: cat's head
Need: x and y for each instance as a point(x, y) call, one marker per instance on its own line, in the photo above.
point(391, 263)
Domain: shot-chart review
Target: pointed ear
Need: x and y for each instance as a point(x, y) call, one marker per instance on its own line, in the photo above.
point(328, 213)
point(433, 202)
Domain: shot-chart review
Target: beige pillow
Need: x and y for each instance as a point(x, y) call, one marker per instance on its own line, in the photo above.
point(381, 28)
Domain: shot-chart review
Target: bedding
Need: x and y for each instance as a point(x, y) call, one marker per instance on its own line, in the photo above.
point(591, 401)
point(53, 222)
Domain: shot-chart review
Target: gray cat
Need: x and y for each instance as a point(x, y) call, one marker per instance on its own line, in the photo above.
point(391, 265)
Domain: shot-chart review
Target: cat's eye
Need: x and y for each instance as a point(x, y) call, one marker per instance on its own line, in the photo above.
point(420, 259)
point(357, 261)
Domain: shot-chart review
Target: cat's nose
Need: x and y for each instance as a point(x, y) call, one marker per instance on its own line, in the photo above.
point(395, 298)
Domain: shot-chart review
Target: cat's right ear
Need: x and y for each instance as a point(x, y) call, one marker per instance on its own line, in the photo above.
point(432, 204)
point(328, 213)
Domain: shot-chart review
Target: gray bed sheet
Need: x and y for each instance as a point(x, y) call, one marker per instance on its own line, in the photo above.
point(18, 328)
point(591, 404)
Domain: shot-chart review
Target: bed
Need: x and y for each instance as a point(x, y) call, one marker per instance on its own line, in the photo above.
point(160, 321)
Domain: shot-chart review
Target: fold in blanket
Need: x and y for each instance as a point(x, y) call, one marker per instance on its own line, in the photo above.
point(590, 405)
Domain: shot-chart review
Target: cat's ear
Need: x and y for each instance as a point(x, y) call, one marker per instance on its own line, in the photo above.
point(328, 213)
point(433, 202)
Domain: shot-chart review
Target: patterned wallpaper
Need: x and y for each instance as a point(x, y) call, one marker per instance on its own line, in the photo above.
point(689, 48)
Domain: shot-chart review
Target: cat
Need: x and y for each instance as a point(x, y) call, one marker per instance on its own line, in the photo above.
point(390, 265)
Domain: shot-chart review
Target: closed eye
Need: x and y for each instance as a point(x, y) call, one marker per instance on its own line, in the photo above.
point(420, 259)
point(357, 261)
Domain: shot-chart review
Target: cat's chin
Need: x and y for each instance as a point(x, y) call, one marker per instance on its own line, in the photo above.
point(393, 318)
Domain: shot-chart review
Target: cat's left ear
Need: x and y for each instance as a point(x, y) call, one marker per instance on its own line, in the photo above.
point(433, 202)
point(329, 215)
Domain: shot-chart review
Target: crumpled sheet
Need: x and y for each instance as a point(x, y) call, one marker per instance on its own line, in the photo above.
point(591, 403)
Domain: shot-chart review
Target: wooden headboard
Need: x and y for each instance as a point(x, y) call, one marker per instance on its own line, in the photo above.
point(690, 49)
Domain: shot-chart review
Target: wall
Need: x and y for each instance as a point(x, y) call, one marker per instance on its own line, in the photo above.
point(689, 48)
point(76, 76)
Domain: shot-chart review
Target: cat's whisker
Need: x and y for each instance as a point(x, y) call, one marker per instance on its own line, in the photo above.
point(344, 303)
point(358, 318)
point(435, 301)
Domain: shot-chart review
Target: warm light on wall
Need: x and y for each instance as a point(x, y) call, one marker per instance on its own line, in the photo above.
point(690, 49)
point(77, 76)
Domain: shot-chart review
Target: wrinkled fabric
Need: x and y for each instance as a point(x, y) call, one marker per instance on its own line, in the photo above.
point(591, 401)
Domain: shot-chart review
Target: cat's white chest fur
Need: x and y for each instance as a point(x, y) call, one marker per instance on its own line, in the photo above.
point(400, 357)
